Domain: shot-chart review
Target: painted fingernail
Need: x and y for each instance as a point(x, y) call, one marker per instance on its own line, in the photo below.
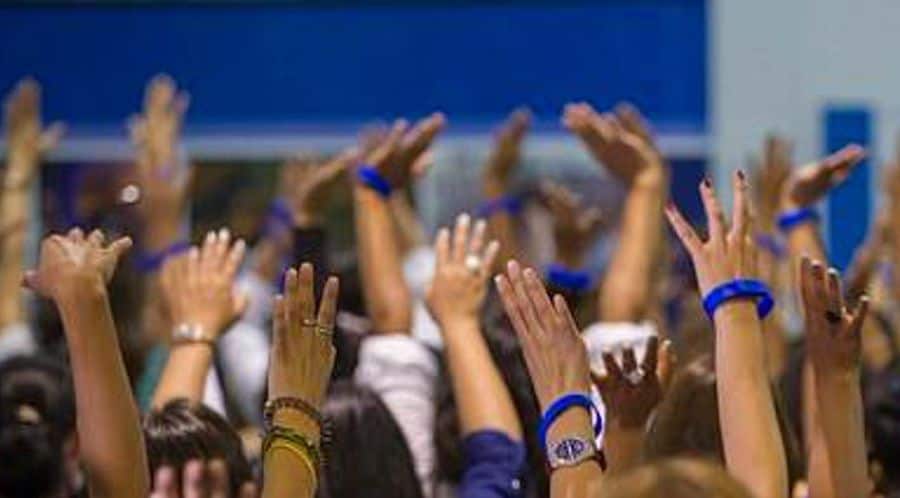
point(706, 182)
point(670, 205)
point(740, 174)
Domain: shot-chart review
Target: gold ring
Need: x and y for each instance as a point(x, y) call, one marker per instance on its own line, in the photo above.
point(324, 331)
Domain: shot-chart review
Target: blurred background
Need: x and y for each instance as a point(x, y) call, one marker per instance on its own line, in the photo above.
point(269, 80)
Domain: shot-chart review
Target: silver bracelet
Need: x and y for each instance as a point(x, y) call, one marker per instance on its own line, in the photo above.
point(191, 333)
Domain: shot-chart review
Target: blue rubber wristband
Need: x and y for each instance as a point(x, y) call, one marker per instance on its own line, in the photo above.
point(511, 204)
point(790, 219)
point(370, 177)
point(573, 280)
point(560, 406)
point(150, 262)
point(736, 289)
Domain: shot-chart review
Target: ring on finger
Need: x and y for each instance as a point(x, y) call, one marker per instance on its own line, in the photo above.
point(473, 263)
point(323, 331)
point(635, 376)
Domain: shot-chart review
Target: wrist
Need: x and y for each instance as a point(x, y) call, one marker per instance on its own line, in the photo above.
point(73, 292)
point(494, 187)
point(653, 179)
point(575, 420)
point(161, 233)
point(458, 322)
point(299, 422)
point(736, 311)
point(846, 377)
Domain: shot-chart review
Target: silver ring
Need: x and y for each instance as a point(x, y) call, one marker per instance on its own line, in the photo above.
point(473, 263)
point(635, 376)
point(309, 322)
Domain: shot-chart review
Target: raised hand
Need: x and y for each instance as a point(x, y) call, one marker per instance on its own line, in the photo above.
point(155, 133)
point(808, 184)
point(833, 330)
point(554, 352)
point(506, 153)
point(71, 262)
point(198, 480)
point(308, 184)
point(620, 141)
point(574, 228)
point(396, 153)
point(459, 285)
point(26, 138)
point(302, 352)
point(632, 391)
point(198, 286)
point(727, 253)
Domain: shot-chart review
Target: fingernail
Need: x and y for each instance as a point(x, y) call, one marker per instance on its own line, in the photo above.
point(670, 205)
point(740, 174)
point(706, 182)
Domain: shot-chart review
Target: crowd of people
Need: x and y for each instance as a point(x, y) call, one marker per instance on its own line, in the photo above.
point(726, 359)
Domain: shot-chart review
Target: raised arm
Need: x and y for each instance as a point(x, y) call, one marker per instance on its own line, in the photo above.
point(201, 300)
point(498, 171)
point(483, 401)
point(387, 167)
point(26, 142)
point(299, 371)
point(835, 349)
point(73, 271)
point(622, 143)
point(557, 361)
point(754, 452)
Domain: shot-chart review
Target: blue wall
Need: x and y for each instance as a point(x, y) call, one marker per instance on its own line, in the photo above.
point(259, 66)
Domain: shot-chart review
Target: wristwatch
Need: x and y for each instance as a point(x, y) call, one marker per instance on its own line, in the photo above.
point(187, 333)
point(570, 451)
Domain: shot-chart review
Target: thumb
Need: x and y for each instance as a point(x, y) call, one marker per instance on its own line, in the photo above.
point(31, 280)
point(121, 245)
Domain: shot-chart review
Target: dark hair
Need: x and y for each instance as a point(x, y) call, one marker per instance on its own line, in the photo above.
point(365, 451)
point(675, 478)
point(507, 356)
point(182, 431)
point(687, 421)
point(37, 414)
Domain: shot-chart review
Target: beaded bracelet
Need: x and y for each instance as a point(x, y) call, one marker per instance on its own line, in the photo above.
point(300, 405)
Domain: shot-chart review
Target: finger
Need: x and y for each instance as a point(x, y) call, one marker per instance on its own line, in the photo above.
point(833, 288)
point(665, 363)
point(629, 361)
point(420, 137)
point(193, 274)
point(526, 307)
point(223, 241)
point(633, 121)
point(120, 246)
point(192, 480)
point(546, 314)
point(51, 137)
point(858, 316)
point(76, 235)
point(164, 485)
point(714, 215)
point(841, 163)
point(490, 255)
point(807, 285)
point(217, 478)
point(612, 366)
point(305, 294)
point(515, 313)
point(96, 239)
point(442, 247)
point(651, 355)
point(291, 307)
point(328, 305)
point(477, 241)
point(234, 259)
point(460, 237)
point(683, 230)
point(562, 309)
point(279, 325)
point(739, 224)
point(819, 286)
point(207, 254)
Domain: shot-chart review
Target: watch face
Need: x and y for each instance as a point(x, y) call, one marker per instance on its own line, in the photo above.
point(569, 449)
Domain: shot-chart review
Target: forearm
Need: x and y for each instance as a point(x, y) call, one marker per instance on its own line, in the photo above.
point(843, 428)
point(285, 475)
point(626, 290)
point(482, 397)
point(111, 445)
point(184, 375)
point(751, 438)
point(409, 232)
point(622, 446)
point(501, 226)
point(14, 221)
point(387, 297)
point(818, 465)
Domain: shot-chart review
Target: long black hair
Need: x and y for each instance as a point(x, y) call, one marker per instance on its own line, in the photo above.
point(37, 416)
point(365, 450)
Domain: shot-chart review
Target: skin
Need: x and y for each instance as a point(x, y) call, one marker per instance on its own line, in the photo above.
point(575, 229)
point(27, 141)
point(754, 451)
point(623, 144)
point(301, 361)
point(198, 290)
point(199, 479)
point(73, 272)
point(455, 298)
point(557, 361)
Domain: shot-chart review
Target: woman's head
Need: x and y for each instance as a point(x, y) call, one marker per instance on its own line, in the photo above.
point(366, 453)
point(37, 425)
point(182, 431)
point(675, 478)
